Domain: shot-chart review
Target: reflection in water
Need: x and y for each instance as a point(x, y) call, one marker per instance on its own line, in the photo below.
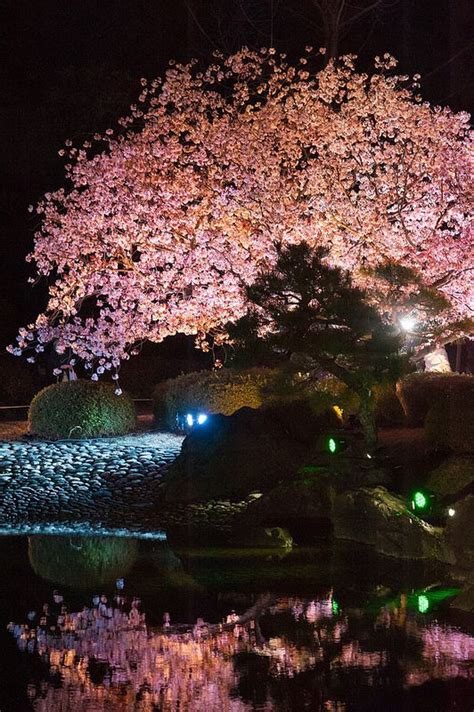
point(106, 657)
point(81, 561)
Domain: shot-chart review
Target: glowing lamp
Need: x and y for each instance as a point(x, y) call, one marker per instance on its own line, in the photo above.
point(419, 500)
point(423, 603)
point(190, 420)
point(451, 512)
point(332, 446)
point(408, 323)
point(201, 419)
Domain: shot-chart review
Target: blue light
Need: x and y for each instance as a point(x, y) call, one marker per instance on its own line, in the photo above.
point(202, 417)
point(190, 420)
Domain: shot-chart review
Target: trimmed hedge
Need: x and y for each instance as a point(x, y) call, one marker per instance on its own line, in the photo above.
point(81, 409)
point(224, 391)
point(388, 409)
point(419, 392)
point(449, 424)
point(227, 390)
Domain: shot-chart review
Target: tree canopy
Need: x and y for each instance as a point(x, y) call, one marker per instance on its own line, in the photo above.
point(161, 225)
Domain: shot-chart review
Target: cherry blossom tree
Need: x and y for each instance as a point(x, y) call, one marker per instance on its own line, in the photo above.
point(161, 225)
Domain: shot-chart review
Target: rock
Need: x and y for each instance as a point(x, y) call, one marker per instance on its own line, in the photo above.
point(265, 537)
point(302, 506)
point(381, 520)
point(460, 536)
point(452, 478)
point(465, 600)
point(251, 449)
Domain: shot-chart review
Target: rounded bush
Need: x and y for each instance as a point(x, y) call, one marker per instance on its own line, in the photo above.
point(81, 409)
point(224, 392)
point(419, 392)
point(449, 424)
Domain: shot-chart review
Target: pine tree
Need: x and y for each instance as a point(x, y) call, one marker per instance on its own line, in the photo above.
point(306, 309)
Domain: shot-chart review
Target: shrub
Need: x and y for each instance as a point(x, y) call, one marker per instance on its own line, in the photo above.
point(388, 409)
point(418, 392)
point(228, 390)
point(452, 476)
point(81, 409)
point(449, 424)
point(224, 391)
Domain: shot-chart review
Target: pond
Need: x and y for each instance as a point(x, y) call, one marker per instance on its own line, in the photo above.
point(94, 623)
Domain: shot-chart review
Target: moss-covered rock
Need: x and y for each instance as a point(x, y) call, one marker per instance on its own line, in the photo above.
point(460, 536)
point(381, 520)
point(452, 477)
point(81, 409)
point(263, 537)
point(465, 600)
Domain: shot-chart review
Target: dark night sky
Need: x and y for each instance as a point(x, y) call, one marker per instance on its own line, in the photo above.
point(71, 67)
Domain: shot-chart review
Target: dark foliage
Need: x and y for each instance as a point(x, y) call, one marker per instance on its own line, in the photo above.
point(310, 314)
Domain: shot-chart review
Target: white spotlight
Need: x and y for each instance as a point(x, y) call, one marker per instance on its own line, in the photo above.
point(408, 323)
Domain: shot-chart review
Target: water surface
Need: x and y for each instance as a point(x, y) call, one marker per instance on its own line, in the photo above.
point(327, 628)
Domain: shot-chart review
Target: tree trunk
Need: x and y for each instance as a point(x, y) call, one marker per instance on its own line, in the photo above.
point(367, 418)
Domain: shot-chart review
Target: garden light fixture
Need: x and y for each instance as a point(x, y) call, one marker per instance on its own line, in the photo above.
point(423, 603)
point(332, 446)
point(420, 501)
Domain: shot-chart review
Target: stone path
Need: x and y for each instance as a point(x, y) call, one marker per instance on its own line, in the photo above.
point(107, 482)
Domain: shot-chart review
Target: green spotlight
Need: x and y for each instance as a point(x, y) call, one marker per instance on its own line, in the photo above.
point(332, 445)
point(419, 500)
point(423, 603)
point(335, 607)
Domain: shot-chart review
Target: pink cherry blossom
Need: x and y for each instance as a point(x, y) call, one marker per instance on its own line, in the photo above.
point(159, 232)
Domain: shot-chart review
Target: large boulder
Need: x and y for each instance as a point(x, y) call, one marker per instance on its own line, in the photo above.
point(380, 519)
point(465, 600)
point(263, 538)
point(251, 450)
point(453, 478)
point(460, 536)
point(303, 504)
